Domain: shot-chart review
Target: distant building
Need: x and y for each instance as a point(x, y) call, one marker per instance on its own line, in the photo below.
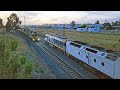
point(64, 26)
point(55, 26)
point(67, 26)
point(76, 26)
point(116, 27)
point(95, 29)
point(91, 28)
point(82, 29)
point(99, 26)
point(61, 26)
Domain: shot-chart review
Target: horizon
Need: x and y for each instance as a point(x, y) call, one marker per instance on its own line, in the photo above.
point(62, 17)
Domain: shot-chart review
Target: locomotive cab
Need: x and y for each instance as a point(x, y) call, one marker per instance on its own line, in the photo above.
point(35, 36)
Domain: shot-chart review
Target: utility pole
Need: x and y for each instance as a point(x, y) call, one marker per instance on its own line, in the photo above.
point(105, 26)
point(64, 27)
point(64, 30)
point(24, 22)
point(119, 26)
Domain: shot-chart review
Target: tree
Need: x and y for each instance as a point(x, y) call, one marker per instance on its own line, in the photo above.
point(13, 22)
point(83, 26)
point(107, 26)
point(72, 24)
point(1, 25)
point(113, 23)
point(116, 23)
point(97, 22)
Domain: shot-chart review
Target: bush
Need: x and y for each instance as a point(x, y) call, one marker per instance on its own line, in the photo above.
point(114, 45)
point(29, 67)
point(83, 26)
point(2, 49)
point(119, 40)
point(14, 45)
point(12, 64)
point(23, 60)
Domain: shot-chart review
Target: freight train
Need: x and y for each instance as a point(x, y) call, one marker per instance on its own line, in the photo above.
point(105, 61)
point(31, 34)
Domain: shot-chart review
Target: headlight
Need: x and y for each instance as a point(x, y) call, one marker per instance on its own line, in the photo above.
point(38, 38)
point(33, 39)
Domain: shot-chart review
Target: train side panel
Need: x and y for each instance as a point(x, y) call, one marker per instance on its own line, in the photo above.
point(84, 56)
point(102, 64)
point(94, 61)
point(91, 55)
point(117, 69)
point(77, 52)
point(72, 50)
point(107, 67)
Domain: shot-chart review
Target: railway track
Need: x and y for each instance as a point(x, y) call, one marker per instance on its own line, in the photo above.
point(66, 67)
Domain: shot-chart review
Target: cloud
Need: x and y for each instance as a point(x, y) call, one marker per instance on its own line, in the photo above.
point(53, 17)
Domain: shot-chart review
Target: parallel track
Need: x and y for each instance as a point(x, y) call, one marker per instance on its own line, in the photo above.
point(66, 67)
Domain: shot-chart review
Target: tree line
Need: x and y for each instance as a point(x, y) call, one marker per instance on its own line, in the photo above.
point(106, 25)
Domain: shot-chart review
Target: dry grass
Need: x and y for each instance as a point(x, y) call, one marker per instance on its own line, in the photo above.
point(8, 37)
point(103, 40)
point(23, 49)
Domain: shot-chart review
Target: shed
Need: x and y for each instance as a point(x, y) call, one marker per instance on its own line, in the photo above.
point(93, 29)
point(82, 29)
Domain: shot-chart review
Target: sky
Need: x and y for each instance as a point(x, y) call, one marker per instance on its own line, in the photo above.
point(61, 17)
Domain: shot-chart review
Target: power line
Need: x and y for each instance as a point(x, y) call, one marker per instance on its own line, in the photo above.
point(97, 12)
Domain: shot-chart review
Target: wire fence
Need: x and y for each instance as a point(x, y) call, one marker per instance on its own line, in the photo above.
point(110, 31)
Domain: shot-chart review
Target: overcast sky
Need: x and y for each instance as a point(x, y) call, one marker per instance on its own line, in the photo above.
point(60, 17)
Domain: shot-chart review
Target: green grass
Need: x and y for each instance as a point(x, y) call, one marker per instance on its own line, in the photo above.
point(108, 41)
point(16, 59)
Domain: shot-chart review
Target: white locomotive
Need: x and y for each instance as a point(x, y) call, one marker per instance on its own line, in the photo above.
point(96, 57)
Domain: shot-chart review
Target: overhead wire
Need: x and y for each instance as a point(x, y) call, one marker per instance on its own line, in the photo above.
point(100, 13)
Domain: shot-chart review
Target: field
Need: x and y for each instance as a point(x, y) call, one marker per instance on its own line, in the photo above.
point(108, 41)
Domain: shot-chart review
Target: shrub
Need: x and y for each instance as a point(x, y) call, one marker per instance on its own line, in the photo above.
point(14, 45)
point(23, 60)
point(119, 40)
point(114, 45)
point(12, 64)
point(2, 49)
point(28, 67)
